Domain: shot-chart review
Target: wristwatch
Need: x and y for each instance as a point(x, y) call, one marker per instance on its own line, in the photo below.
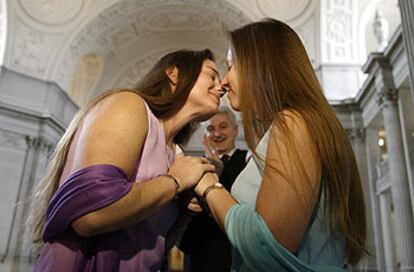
point(216, 185)
point(203, 201)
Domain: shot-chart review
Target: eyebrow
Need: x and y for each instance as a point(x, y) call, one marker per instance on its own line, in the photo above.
point(214, 70)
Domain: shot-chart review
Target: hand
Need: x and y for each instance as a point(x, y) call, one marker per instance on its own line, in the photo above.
point(207, 180)
point(188, 203)
point(188, 170)
point(212, 155)
point(219, 165)
point(193, 206)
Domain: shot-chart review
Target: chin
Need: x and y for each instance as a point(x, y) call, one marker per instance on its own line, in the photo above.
point(234, 103)
point(207, 115)
point(235, 106)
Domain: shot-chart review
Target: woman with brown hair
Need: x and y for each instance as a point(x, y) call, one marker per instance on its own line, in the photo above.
point(298, 205)
point(107, 201)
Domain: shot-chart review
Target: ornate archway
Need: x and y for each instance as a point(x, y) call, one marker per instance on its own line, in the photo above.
point(130, 35)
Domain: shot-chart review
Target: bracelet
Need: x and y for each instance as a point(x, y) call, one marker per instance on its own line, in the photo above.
point(177, 184)
point(203, 198)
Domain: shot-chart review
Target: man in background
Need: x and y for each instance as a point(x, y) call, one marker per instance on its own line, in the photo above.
point(204, 244)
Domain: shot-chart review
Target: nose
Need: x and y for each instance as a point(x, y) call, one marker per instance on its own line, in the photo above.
point(217, 133)
point(224, 80)
point(219, 88)
point(225, 83)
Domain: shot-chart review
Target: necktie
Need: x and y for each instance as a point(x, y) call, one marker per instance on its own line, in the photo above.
point(225, 158)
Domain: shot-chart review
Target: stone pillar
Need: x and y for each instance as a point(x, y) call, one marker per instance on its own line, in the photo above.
point(398, 173)
point(18, 251)
point(373, 201)
point(407, 22)
point(387, 233)
point(358, 135)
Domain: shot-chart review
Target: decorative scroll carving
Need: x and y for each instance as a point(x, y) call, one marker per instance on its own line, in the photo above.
point(282, 9)
point(29, 49)
point(13, 140)
point(132, 22)
point(340, 19)
point(387, 96)
point(356, 133)
point(52, 11)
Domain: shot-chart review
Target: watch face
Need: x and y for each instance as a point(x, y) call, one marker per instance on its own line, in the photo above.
point(218, 185)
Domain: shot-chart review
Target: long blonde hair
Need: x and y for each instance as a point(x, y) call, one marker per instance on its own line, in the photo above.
point(274, 75)
point(156, 90)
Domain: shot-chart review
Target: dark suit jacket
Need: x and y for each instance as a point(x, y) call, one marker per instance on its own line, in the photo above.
point(203, 240)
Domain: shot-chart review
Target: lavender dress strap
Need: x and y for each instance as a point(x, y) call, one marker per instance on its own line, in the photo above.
point(84, 191)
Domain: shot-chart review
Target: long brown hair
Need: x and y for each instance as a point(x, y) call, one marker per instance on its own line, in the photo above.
point(274, 75)
point(155, 89)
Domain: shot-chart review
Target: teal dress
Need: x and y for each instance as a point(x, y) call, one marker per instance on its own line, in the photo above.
point(254, 247)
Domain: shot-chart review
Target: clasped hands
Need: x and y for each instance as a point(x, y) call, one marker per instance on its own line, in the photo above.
point(190, 199)
point(195, 174)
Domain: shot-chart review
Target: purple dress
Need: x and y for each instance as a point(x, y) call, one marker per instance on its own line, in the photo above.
point(138, 248)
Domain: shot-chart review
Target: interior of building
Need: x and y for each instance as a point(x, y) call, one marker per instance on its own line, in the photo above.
point(56, 55)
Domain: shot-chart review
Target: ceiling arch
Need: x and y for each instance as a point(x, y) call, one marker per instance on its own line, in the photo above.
point(132, 27)
point(47, 39)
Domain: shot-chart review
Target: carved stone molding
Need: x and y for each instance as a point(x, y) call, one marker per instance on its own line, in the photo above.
point(339, 31)
point(387, 96)
point(179, 20)
point(126, 25)
point(137, 71)
point(29, 48)
point(282, 9)
point(52, 11)
point(41, 144)
point(23, 142)
point(356, 133)
point(13, 140)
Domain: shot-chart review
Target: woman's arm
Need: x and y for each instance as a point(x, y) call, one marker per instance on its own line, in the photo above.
point(290, 185)
point(219, 200)
point(114, 133)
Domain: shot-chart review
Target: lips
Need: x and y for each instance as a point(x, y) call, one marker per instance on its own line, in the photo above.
point(216, 94)
point(219, 139)
point(226, 89)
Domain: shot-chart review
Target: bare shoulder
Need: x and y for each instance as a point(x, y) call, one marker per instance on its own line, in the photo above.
point(293, 123)
point(113, 132)
point(125, 101)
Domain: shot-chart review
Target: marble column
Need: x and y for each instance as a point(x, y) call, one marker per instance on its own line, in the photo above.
point(398, 175)
point(18, 250)
point(373, 200)
point(407, 22)
point(358, 137)
point(390, 263)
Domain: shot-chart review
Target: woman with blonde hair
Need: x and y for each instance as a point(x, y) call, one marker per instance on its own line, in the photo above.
point(107, 201)
point(298, 205)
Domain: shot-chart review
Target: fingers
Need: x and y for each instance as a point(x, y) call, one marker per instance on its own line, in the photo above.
point(208, 167)
point(207, 147)
point(188, 170)
point(204, 160)
point(194, 206)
